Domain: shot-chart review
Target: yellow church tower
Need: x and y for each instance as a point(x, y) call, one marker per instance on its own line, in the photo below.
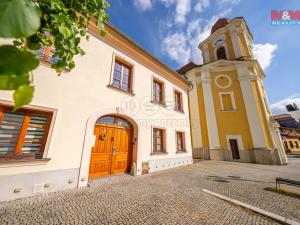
point(229, 111)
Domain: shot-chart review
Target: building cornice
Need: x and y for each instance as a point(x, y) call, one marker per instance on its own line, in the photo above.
point(124, 44)
point(248, 77)
point(229, 65)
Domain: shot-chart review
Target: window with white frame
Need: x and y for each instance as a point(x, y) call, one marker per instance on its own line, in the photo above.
point(122, 76)
point(180, 141)
point(158, 92)
point(178, 101)
point(227, 101)
point(159, 144)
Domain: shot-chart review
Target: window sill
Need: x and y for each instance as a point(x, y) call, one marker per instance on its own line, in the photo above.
point(179, 111)
point(159, 153)
point(49, 65)
point(229, 110)
point(120, 90)
point(23, 162)
point(181, 152)
point(159, 103)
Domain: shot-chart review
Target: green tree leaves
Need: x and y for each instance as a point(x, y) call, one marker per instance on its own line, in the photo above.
point(16, 61)
point(66, 32)
point(18, 18)
point(23, 96)
point(15, 66)
point(67, 22)
point(12, 82)
point(38, 24)
point(14, 73)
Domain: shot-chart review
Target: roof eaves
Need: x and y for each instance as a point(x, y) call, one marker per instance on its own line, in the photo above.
point(188, 67)
point(147, 52)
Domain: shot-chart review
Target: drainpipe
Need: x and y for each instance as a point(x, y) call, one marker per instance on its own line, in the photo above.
point(81, 159)
point(191, 88)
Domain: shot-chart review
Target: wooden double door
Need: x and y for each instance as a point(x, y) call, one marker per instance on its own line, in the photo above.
point(112, 152)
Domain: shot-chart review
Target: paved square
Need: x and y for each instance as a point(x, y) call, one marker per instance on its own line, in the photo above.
point(169, 197)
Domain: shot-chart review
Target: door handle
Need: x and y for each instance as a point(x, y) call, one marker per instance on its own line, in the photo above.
point(114, 152)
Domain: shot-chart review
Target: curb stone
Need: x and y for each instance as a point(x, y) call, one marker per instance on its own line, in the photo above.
point(262, 212)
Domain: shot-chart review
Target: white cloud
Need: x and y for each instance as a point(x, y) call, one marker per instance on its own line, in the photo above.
point(175, 45)
point(167, 3)
point(143, 5)
point(185, 43)
point(230, 2)
point(183, 7)
point(180, 43)
point(201, 5)
point(279, 107)
point(264, 53)
point(193, 27)
point(186, 39)
point(197, 35)
point(208, 25)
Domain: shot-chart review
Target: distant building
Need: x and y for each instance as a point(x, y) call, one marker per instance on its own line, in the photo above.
point(289, 131)
point(293, 109)
point(229, 111)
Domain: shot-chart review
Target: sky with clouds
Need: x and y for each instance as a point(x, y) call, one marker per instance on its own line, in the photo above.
point(172, 29)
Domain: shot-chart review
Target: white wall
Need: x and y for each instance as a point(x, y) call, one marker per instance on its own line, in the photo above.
point(78, 94)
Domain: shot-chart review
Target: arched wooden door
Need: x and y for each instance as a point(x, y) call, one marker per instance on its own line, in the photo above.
point(112, 152)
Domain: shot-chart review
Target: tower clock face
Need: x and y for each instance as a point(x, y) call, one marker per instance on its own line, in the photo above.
point(217, 42)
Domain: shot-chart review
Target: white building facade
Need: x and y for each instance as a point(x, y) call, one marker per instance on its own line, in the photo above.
point(118, 110)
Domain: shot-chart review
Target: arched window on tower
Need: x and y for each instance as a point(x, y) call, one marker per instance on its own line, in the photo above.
point(221, 53)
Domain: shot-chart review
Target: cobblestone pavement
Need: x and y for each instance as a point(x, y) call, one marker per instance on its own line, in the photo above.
point(247, 183)
point(169, 197)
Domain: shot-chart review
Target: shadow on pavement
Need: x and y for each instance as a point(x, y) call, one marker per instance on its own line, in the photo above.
point(234, 178)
